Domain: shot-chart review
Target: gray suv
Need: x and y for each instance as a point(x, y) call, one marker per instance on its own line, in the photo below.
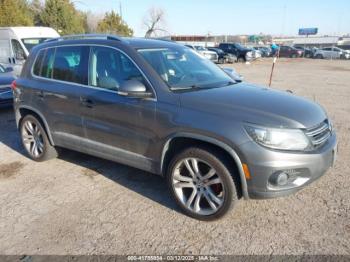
point(160, 107)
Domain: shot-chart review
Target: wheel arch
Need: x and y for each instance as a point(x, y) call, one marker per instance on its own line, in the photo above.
point(27, 110)
point(184, 140)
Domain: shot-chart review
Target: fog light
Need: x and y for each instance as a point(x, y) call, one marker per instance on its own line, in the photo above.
point(281, 179)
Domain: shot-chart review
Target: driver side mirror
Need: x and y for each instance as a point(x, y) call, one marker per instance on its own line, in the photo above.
point(135, 89)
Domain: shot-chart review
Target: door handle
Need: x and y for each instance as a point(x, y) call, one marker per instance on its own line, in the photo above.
point(87, 102)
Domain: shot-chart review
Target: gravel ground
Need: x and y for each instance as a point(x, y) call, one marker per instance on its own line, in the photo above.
point(79, 204)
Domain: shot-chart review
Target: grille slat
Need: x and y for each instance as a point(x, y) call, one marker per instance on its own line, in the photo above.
point(319, 134)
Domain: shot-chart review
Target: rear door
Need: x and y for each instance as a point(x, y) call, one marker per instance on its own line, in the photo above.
point(117, 127)
point(63, 74)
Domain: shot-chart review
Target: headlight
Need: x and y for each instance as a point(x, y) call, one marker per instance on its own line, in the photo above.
point(249, 54)
point(279, 138)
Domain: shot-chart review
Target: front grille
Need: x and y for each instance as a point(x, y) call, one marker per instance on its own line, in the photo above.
point(319, 134)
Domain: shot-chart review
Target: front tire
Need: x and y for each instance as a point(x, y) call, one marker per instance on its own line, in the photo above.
point(241, 60)
point(201, 184)
point(35, 140)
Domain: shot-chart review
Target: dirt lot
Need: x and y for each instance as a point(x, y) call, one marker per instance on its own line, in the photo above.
point(83, 205)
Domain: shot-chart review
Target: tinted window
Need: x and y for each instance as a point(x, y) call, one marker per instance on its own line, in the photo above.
point(38, 63)
point(110, 68)
point(71, 63)
point(47, 65)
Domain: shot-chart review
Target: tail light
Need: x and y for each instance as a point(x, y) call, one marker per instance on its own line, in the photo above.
point(14, 85)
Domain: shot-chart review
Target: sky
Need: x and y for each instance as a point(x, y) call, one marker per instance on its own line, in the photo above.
point(221, 17)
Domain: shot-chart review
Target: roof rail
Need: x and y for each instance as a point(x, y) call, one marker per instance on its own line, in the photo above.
point(86, 36)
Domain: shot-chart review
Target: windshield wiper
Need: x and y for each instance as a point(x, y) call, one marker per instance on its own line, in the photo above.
point(192, 87)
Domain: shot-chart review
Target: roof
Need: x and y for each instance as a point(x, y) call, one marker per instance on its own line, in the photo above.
point(139, 43)
point(136, 43)
point(33, 31)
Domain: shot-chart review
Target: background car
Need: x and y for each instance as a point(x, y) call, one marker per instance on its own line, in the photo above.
point(307, 52)
point(213, 56)
point(6, 78)
point(332, 53)
point(223, 56)
point(265, 51)
point(242, 53)
point(289, 51)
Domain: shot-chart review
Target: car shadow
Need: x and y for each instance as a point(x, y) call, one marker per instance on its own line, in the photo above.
point(148, 185)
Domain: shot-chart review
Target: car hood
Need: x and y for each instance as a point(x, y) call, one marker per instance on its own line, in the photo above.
point(254, 104)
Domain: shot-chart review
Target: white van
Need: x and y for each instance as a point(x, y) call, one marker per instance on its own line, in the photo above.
point(16, 43)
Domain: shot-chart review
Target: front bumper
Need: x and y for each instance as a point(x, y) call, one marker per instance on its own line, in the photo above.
point(302, 168)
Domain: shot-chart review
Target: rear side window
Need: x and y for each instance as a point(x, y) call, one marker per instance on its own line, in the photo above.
point(71, 64)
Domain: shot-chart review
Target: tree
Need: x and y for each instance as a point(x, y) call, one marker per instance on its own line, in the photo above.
point(92, 21)
point(112, 23)
point(15, 13)
point(36, 7)
point(154, 22)
point(62, 16)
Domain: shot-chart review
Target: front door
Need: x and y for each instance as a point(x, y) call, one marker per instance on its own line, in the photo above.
point(117, 127)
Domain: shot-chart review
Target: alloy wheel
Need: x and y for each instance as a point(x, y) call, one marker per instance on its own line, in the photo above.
point(198, 186)
point(33, 139)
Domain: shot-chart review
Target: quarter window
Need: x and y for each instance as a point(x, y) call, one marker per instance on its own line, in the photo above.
point(38, 63)
point(110, 68)
point(47, 65)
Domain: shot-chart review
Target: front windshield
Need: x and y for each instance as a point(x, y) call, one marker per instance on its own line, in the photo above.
point(29, 43)
point(184, 68)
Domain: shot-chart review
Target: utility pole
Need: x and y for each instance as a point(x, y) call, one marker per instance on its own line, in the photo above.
point(120, 10)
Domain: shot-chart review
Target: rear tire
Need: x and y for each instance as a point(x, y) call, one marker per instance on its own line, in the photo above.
point(35, 140)
point(201, 183)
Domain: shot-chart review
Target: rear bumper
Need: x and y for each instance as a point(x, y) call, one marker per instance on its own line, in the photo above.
point(302, 168)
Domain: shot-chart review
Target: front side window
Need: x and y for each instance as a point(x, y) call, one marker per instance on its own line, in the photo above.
point(183, 68)
point(71, 63)
point(18, 50)
point(110, 68)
